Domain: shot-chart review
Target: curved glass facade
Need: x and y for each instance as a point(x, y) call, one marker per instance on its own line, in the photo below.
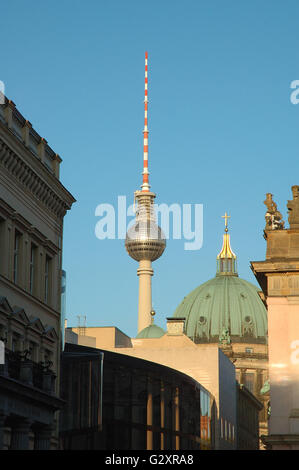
point(144, 406)
point(206, 419)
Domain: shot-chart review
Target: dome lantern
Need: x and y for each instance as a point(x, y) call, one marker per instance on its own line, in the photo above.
point(226, 259)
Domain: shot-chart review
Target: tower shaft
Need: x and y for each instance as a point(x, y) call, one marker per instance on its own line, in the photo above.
point(145, 273)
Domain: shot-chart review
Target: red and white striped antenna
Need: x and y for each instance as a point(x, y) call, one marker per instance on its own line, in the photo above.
point(145, 185)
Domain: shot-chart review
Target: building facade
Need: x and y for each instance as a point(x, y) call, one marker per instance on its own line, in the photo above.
point(33, 203)
point(278, 276)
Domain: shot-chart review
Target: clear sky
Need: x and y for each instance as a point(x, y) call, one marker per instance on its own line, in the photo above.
point(223, 131)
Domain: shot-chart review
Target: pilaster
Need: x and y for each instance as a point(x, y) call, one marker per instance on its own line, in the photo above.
point(20, 435)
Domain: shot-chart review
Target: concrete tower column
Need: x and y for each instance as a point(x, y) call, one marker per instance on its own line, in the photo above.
point(145, 273)
point(145, 241)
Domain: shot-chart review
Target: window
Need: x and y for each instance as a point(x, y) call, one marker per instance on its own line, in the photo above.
point(33, 351)
point(47, 278)
point(15, 344)
point(249, 350)
point(48, 357)
point(16, 256)
point(2, 333)
point(32, 268)
point(248, 379)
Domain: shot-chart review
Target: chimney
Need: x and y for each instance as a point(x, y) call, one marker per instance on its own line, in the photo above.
point(175, 326)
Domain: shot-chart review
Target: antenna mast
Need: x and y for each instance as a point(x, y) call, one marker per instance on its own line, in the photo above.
point(145, 185)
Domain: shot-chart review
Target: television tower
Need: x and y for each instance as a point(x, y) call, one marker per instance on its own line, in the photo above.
point(145, 241)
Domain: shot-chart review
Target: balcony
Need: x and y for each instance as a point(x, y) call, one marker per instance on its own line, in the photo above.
point(38, 375)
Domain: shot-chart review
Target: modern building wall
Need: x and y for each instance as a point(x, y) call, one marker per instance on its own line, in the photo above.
point(145, 405)
point(227, 403)
point(248, 408)
point(104, 336)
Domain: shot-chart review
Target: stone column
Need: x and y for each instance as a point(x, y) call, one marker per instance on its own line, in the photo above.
point(145, 273)
point(149, 415)
point(2, 423)
point(20, 435)
point(42, 438)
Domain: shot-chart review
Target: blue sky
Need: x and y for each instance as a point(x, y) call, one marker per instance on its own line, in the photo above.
point(223, 131)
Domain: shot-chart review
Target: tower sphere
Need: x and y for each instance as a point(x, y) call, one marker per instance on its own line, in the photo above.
point(145, 241)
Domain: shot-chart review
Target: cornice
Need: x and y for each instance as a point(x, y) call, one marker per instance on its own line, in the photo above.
point(53, 196)
point(276, 265)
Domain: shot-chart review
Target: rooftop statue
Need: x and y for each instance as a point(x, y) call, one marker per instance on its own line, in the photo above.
point(273, 216)
point(293, 208)
point(224, 337)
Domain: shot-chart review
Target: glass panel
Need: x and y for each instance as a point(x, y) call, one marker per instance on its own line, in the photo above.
point(16, 256)
point(47, 276)
point(32, 268)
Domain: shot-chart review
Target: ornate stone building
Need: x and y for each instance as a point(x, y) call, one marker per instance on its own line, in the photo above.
point(278, 276)
point(33, 203)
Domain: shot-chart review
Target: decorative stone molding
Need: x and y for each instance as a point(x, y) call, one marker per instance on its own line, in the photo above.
point(30, 180)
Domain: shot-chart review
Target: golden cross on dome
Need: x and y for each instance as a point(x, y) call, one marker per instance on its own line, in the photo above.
point(225, 217)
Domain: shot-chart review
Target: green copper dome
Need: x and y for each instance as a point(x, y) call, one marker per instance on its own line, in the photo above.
point(225, 308)
point(151, 331)
point(224, 303)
